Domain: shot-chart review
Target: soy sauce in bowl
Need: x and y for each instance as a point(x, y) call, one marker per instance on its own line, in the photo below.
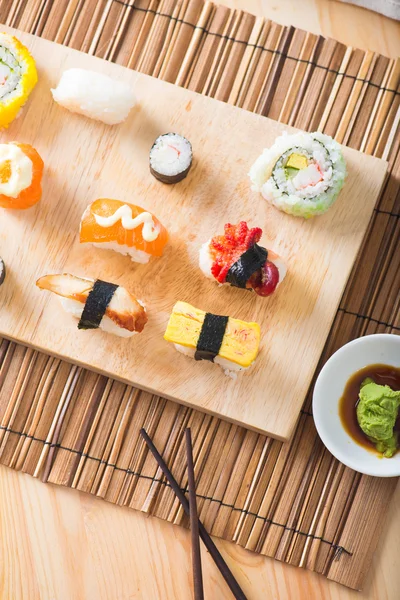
point(380, 374)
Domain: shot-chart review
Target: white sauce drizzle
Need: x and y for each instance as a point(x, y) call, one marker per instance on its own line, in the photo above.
point(21, 170)
point(124, 214)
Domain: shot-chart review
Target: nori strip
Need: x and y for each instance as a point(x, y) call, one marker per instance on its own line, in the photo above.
point(2, 271)
point(96, 304)
point(170, 178)
point(211, 336)
point(251, 261)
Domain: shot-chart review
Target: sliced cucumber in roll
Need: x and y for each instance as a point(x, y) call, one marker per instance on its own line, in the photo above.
point(301, 174)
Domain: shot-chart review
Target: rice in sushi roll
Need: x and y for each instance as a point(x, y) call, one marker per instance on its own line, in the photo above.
point(94, 95)
point(18, 77)
point(170, 158)
point(301, 174)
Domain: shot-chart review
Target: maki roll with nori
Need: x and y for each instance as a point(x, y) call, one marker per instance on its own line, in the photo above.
point(18, 77)
point(228, 342)
point(170, 158)
point(2, 271)
point(301, 174)
point(97, 304)
point(236, 258)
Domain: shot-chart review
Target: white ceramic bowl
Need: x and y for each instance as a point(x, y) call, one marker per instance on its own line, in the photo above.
point(380, 348)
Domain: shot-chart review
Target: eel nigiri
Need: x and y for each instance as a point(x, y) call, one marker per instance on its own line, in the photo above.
point(228, 342)
point(21, 170)
point(236, 258)
point(125, 228)
point(18, 77)
point(2, 271)
point(97, 304)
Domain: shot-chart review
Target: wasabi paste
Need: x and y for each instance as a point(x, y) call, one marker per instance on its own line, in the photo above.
point(377, 412)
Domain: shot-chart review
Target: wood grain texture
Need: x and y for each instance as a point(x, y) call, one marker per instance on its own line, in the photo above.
point(349, 24)
point(58, 543)
point(86, 160)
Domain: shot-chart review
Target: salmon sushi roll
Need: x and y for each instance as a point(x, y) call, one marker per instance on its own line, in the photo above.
point(124, 228)
point(21, 170)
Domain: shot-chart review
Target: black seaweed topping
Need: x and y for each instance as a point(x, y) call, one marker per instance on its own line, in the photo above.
point(211, 336)
point(2, 271)
point(96, 304)
point(249, 263)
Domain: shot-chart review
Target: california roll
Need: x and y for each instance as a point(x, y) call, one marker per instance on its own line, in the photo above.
point(301, 174)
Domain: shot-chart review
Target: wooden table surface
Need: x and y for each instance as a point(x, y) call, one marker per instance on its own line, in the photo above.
point(59, 544)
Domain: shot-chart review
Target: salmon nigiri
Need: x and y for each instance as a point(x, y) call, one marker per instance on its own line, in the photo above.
point(123, 227)
point(21, 170)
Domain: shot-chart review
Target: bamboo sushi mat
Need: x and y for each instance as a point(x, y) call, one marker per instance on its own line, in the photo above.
point(71, 427)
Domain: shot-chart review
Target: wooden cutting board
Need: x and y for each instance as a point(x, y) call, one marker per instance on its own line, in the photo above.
point(86, 160)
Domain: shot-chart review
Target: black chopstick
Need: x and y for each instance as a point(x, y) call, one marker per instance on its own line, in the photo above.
point(194, 521)
point(209, 544)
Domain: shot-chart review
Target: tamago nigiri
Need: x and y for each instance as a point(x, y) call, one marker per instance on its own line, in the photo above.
point(125, 228)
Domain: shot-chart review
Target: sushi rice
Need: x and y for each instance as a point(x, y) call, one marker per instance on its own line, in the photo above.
point(309, 190)
point(94, 95)
point(230, 368)
point(136, 255)
point(18, 77)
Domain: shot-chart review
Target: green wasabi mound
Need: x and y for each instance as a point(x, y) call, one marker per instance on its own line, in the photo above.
point(377, 412)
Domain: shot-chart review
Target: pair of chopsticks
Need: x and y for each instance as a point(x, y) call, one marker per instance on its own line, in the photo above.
point(197, 528)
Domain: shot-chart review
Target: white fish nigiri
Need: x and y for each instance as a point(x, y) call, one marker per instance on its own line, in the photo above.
point(94, 95)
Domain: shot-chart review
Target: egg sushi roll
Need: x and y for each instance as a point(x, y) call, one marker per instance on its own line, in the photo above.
point(125, 228)
point(21, 170)
point(235, 258)
point(171, 158)
point(94, 95)
point(301, 174)
point(228, 342)
point(18, 77)
point(97, 304)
